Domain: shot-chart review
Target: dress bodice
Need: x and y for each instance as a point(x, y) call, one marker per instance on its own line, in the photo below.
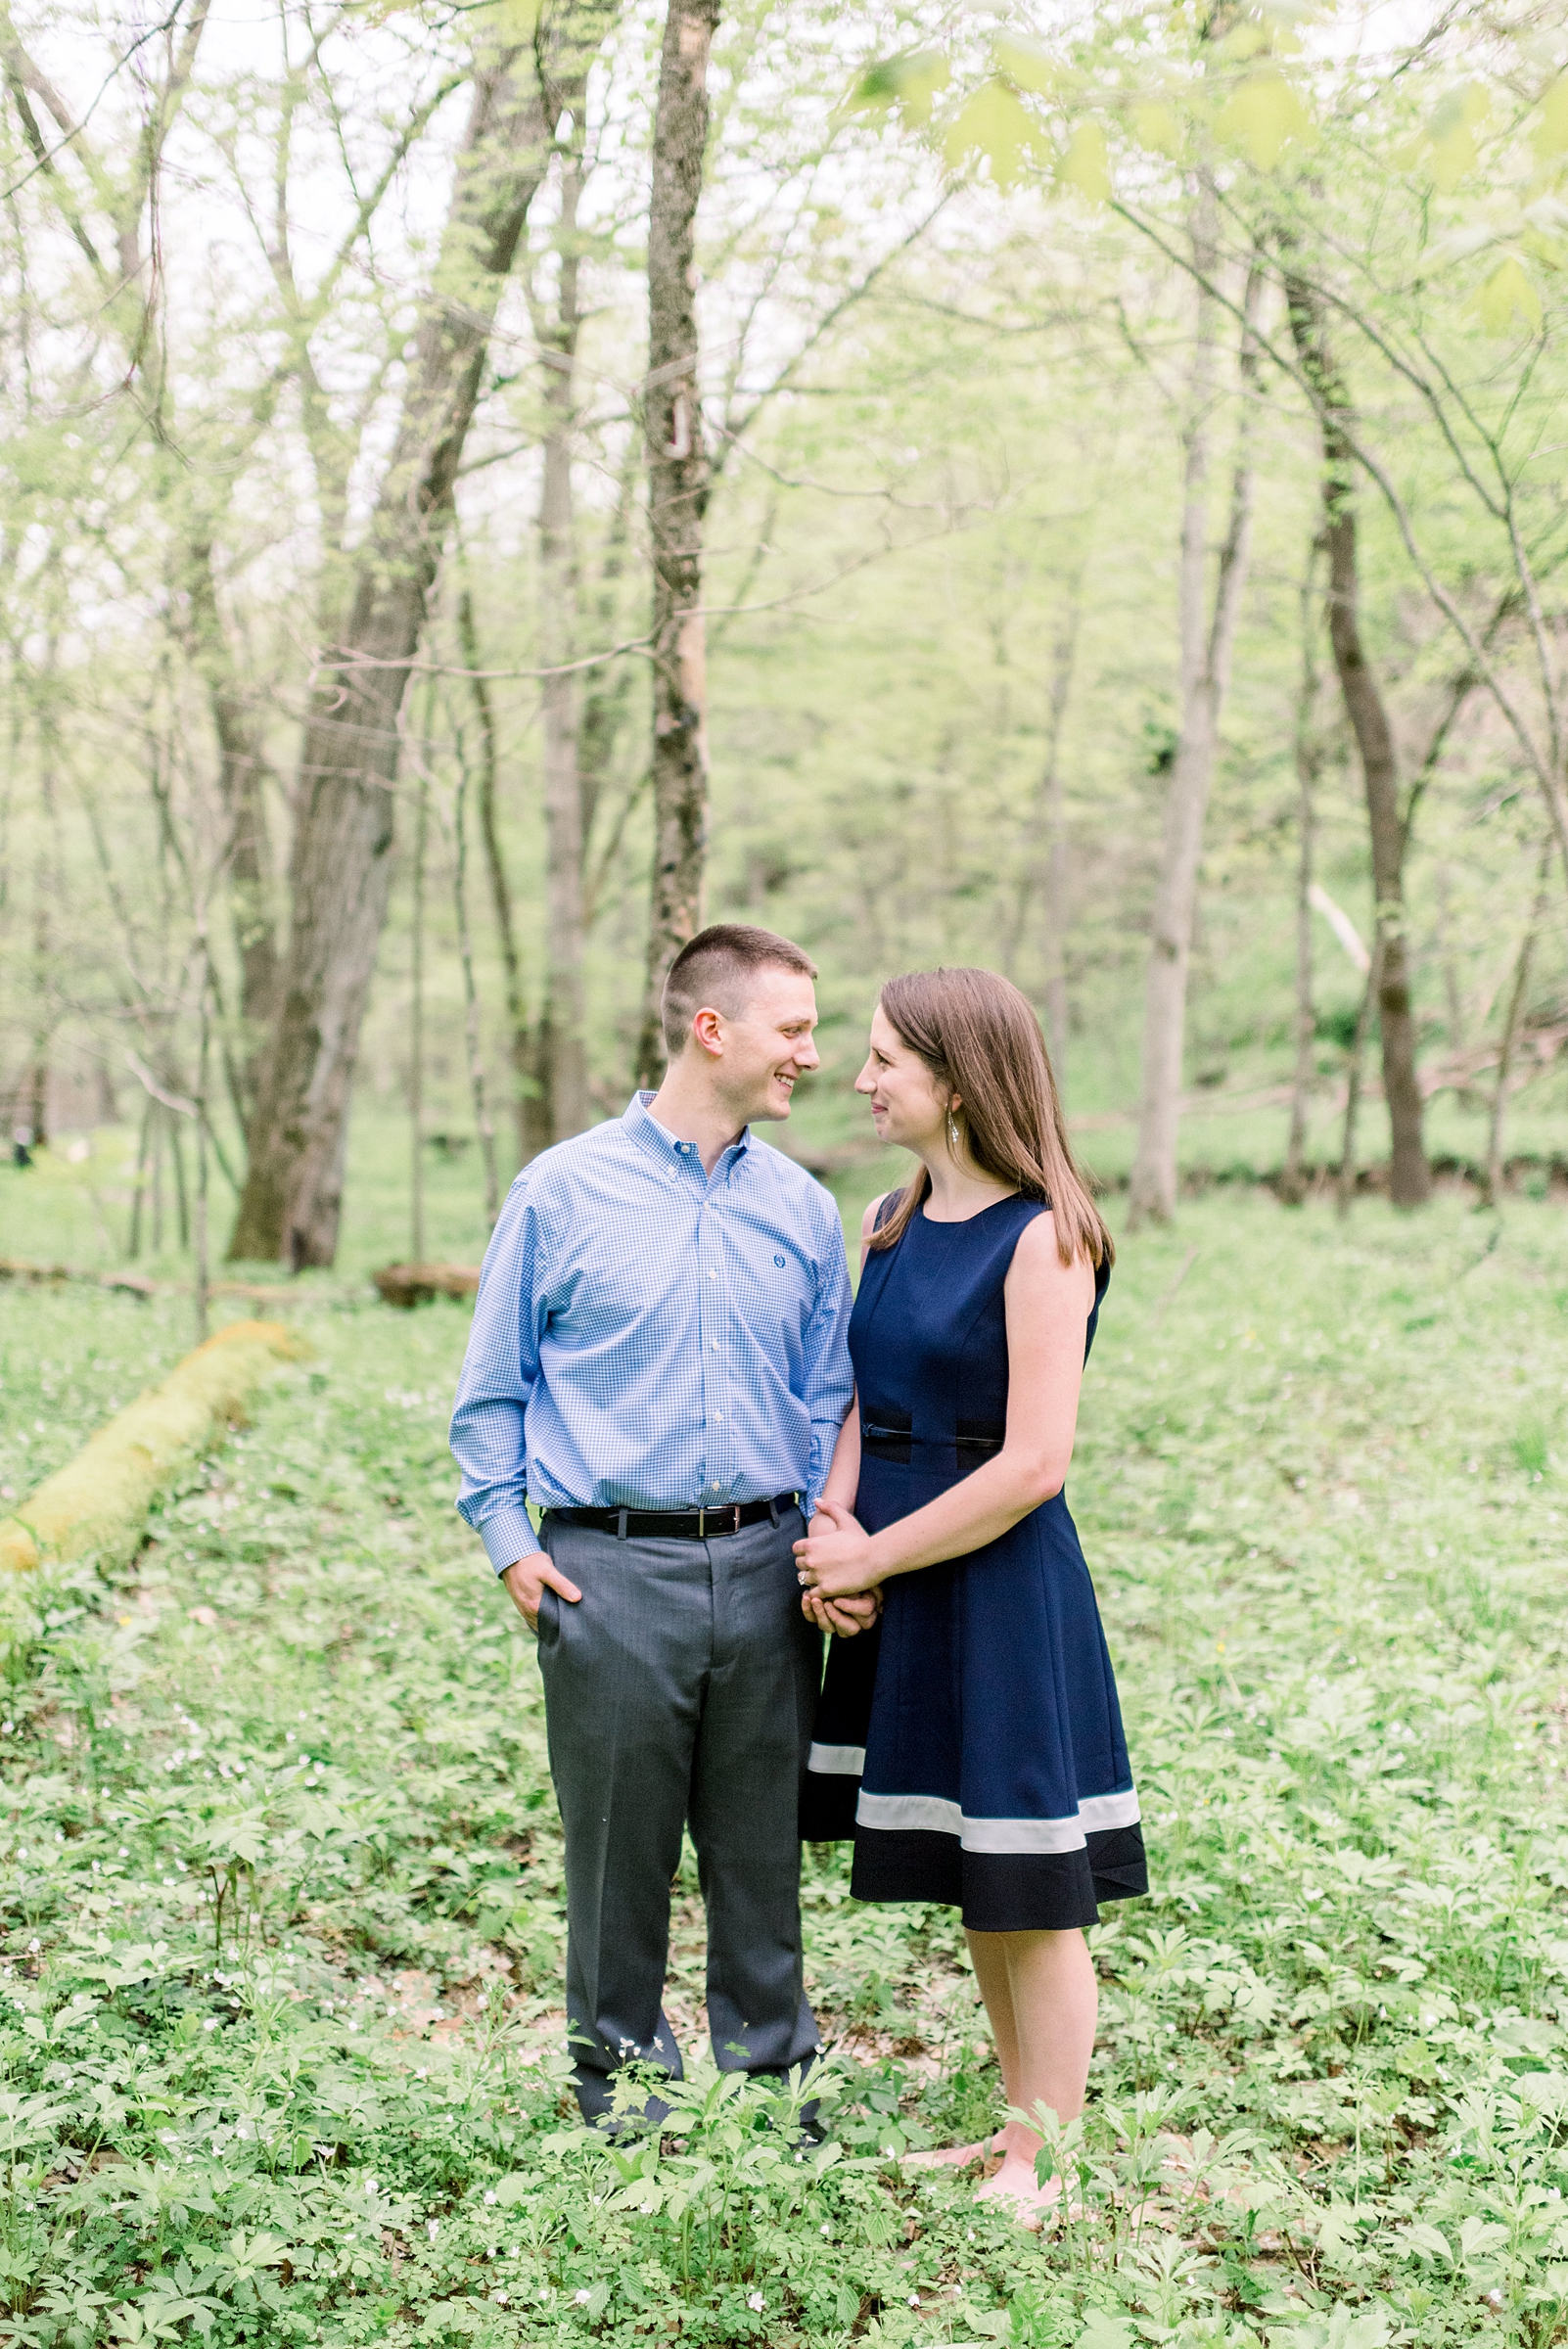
point(929, 1339)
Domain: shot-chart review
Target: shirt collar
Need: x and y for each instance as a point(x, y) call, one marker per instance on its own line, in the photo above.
point(662, 1145)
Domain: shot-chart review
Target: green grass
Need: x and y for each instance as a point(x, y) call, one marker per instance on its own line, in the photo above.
point(280, 1870)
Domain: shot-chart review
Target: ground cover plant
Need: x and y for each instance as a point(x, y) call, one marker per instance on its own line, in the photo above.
point(280, 1897)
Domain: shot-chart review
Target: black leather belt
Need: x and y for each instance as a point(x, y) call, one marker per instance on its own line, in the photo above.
point(678, 1525)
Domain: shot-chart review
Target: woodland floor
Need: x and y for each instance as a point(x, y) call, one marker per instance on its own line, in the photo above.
point(280, 1873)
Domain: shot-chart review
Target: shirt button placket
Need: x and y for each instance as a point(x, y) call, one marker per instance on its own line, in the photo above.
point(712, 1324)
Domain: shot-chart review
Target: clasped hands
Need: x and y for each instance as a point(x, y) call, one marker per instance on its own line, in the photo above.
point(830, 1562)
point(838, 1591)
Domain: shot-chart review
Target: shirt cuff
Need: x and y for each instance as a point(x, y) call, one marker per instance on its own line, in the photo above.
point(509, 1535)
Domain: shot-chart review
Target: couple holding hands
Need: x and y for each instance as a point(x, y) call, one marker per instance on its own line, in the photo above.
point(729, 1463)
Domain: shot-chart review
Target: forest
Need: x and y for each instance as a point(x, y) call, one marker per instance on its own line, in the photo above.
point(486, 491)
point(482, 497)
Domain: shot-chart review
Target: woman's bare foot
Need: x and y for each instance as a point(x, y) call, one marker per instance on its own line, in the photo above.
point(955, 2157)
point(1015, 2187)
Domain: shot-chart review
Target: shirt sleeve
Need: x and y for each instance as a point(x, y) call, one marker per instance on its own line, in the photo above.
point(500, 1368)
point(829, 1376)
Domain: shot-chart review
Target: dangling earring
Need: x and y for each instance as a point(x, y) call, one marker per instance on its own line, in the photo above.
point(955, 1137)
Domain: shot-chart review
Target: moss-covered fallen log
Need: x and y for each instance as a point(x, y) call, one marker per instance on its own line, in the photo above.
point(98, 1502)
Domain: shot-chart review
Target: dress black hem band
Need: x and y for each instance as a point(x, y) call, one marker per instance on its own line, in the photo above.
point(1000, 1892)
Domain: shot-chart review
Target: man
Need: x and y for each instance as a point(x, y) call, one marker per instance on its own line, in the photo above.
point(658, 1359)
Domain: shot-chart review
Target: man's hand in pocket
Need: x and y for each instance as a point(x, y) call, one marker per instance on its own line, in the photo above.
point(526, 1581)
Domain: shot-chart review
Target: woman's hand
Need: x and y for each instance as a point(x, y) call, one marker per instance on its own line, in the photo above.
point(833, 1561)
point(841, 1617)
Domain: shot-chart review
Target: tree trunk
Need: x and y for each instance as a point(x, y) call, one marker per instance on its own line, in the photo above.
point(1411, 1182)
point(49, 880)
point(139, 1186)
point(1048, 816)
point(242, 789)
point(203, 1268)
point(38, 1074)
point(1453, 1001)
point(561, 1059)
point(1513, 1020)
point(1308, 764)
point(482, 1124)
point(519, 1041)
point(416, 1031)
point(678, 497)
point(340, 861)
point(1345, 1187)
point(1206, 648)
point(1056, 1014)
point(606, 702)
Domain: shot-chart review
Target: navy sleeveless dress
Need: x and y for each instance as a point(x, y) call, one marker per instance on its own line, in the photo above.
point(972, 1744)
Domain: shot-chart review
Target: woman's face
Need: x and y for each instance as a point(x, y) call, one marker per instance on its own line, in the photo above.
point(908, 1106)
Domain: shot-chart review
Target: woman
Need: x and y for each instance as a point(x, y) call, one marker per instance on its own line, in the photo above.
point(993, 1774)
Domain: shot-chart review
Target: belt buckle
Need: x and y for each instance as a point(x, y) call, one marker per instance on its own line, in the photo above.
point(730, 1509)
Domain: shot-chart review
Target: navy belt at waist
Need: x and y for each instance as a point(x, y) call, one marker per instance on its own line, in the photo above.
point(678, 1525)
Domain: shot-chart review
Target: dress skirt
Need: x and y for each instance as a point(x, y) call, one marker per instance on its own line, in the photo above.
point(973, 1745)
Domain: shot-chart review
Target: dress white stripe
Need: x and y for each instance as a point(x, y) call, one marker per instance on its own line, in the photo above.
point(838, 1761)
point(897, 1813)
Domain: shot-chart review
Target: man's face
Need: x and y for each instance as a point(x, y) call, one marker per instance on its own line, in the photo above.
point(767, 1046)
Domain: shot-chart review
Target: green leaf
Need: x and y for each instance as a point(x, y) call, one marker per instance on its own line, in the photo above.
point(1506, 294)
point(515, 20)
point(1478, 2236)
point(1430, 2241)
point(1102, 2332)
point(995, 123)
point(910, 81)
point(512, 2191)
point(1155, 125)
point(1263, 116)
point(1452, 151)
point(1551, 135)
point(1243, 40)
point(1449, 158)
point(1027, 64)
point(1086, 165)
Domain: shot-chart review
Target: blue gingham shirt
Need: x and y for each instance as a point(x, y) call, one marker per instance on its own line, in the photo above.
point(650, 1337)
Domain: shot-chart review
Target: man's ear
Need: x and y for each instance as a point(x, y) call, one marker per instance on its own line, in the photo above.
point(708, 1028)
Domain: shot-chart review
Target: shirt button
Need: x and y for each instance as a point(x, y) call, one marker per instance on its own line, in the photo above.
point(719, 1415)
point(713, 1275)
point(716, 1345)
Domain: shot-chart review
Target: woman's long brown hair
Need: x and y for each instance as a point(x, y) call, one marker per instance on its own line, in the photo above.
point(980, 1039)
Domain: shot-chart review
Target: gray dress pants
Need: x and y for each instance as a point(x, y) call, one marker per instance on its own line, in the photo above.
point(680, 1688)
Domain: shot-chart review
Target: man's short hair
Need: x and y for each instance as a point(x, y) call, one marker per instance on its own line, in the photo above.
point(718, 967)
